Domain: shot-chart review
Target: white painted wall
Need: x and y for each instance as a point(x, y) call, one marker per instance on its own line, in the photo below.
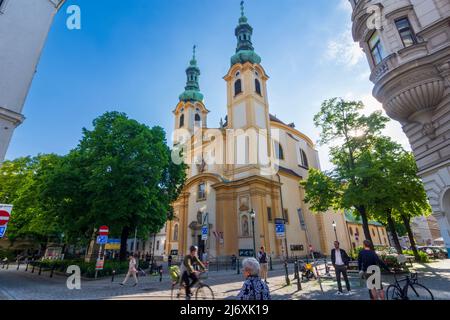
point(24, 25)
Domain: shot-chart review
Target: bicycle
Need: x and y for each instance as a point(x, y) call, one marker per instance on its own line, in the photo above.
point(201, 290)
point(412, 290)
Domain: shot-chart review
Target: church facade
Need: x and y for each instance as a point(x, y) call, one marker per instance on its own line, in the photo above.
point(243, 177)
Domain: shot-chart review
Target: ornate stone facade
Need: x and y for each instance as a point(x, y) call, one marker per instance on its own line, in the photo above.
point(407, 43)
point(258, 164)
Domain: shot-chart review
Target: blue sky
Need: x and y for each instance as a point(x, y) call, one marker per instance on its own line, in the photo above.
point(130, 56)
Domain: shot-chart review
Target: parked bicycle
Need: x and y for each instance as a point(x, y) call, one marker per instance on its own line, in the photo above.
point(201, 291)
point(410, 290)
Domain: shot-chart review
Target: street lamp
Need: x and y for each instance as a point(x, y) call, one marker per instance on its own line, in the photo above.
point(334, 227)
point(252, 216)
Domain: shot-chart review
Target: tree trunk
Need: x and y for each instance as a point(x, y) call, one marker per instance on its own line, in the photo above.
point(391, 226)
point(411, 237)
point(123, 243)
point(365, 221)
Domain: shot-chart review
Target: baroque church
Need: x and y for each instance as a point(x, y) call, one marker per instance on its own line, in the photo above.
point(243, 178)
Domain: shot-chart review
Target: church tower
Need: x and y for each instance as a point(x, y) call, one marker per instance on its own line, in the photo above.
point(190, 112)
point(247, 102)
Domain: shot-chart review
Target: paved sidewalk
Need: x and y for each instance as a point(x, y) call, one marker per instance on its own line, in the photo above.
point(226, 285)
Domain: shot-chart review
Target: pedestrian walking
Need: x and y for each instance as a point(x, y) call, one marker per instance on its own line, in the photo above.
point(233, 261)
point(340, 261)
point(254, 288)
point(262, 257)
point(132, 271)
point(366, 258)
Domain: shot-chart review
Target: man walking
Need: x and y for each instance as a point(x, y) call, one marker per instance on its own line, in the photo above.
point(366, 258)
point(262, 257)
point(340, 261)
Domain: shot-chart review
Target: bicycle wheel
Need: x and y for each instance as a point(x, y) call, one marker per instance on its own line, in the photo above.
point(177, 292)
point(419, 292)
point(204, 292)
point(393, 293)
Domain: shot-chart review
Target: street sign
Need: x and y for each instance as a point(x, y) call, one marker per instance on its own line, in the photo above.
point(280, 230)
point(4, 216)
point(103, 231)
point(100, 264)
point(246, 253)
point(113, 244)
point(301, 218)
point(204, 232)
point(102, 239)
point(2, 231)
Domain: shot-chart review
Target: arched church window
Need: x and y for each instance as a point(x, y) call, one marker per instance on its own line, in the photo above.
point(258, 87)
point(279, 153)
point(245, 228)
point(304, 159)
point(175, 233)
point(182, 121)
point(237, 87)
point(237, 74)
point(197, 118)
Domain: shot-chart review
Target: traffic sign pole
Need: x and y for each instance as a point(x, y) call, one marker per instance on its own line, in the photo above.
point(102, 239)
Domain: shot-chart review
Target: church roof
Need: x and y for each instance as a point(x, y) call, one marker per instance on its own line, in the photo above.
point(350, 217)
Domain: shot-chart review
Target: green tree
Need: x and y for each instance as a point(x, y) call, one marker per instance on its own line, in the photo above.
point(120, 175)
point(350, 134)
point(21, 183)
point(398, 193)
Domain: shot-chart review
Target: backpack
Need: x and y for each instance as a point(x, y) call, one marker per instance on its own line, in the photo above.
point(175, 273)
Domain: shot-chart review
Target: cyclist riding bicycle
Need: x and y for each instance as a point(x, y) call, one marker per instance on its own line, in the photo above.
point(187, 269)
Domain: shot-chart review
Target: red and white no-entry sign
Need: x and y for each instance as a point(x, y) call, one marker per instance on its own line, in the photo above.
point(4, 217)
point(103, 231)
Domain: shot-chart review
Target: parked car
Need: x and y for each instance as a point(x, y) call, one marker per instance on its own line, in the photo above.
point(434, 252)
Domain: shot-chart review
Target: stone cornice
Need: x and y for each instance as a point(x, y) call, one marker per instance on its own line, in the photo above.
point(57, 3)
point(14, 117)
point(245, 182)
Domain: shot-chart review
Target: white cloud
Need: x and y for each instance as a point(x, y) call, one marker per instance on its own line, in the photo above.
point(343, 50)
point(345, 5)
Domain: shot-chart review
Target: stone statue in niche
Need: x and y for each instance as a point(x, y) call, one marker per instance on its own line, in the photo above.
point(244, 226)
point(201, 167)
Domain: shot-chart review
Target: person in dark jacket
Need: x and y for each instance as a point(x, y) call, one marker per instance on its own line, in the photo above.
point(366, 258)
point(340, 261)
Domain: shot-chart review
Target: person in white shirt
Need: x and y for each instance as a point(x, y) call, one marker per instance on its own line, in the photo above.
point(340, 260)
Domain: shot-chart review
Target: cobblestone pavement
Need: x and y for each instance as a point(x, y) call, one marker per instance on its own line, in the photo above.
point(18, 284)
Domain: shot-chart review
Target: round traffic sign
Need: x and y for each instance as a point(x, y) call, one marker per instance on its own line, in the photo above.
point(103, 231)
point(4, 217)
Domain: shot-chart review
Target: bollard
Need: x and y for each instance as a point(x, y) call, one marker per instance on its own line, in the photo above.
point(7, 265)
point(40, 268)
point(53, 270)
point(160, 273)
point(113, 274)
point(295, 269)
point(18, 265)
point(237, 266)
point(26, 269)
point(327, 269)
point(270, 263)
point(299, 283)
point(32, 270)
point(288, 282)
